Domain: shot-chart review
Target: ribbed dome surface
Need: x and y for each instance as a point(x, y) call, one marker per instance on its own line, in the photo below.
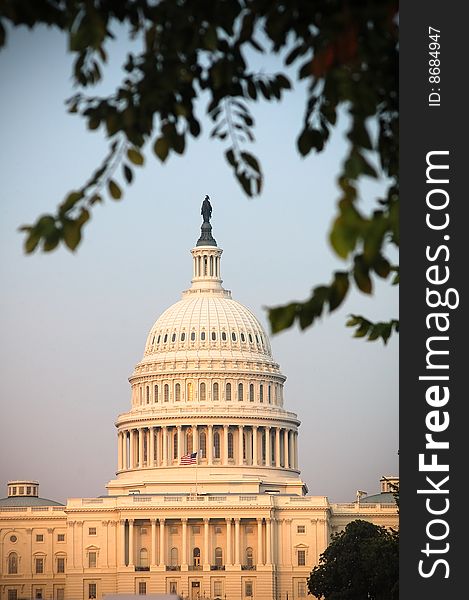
point(207, 322)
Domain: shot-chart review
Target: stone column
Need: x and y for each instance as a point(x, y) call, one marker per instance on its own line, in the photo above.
point(254, 445)
point(164, 442)
point(119, 450)
point(240, 444)
point(131, 542)
point(260, 554)
point(131, 449)
point(153, 543)
point(295, 451)
point(105, 557)
point(225, 444)
point(229, 560)
point(287, 539)
point(267, 447)
point(210, 444)
point(184, 543)
point(151, 448)
point(139, 461)
point(286, 452)
point(122, 536)
point(162, 549)
point(71, 525)
point(277, 446)
point(237, 541)
point(206, 559)
point(125, 462)
point(268, 542)
point(195, 440)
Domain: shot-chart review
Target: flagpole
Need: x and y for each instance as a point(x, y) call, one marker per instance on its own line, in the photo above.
point(196, 470)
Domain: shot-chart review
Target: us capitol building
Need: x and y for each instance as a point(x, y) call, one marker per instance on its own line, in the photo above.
point(208, 501)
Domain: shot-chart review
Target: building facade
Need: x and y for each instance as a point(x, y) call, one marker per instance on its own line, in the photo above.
point(208, 500)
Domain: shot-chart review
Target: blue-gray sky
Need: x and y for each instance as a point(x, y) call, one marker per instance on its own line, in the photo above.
point(74, 325)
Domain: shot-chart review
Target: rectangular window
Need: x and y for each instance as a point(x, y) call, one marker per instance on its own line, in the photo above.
point(92, 560)
point(248, 588)
point(195, 529)
point(21, 490)
point(173, 587)
point(91, 591)
point(302, 589)
point(173, 529)
point(60, 564)
point(248, 529)
point(301, 529)
point(61, 537)
point(142, 587)
point(12, 594)
point(301, 558)
point(39, 537)
point(60, 594)
point(143, 531)
point(92, 531)
point(217, 529)
point(39, 565)
point(28, 490)
point(217, 588)
point(38, 593)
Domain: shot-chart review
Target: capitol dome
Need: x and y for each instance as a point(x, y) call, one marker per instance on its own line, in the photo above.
point(208, 386)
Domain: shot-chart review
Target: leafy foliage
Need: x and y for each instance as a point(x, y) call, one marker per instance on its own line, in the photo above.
point(346, 51)
point(360, 562)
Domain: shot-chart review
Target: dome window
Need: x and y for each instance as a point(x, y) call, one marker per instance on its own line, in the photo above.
point(261, 393)
point(193, 336)
point(202, 445)
point(228, 392)
point(166, 392)
point(250, 338)
point(233, 336)
point(251, 392)
point(177, 392)
point(223, 336)
point(173, 337)
point(158, 340)
point(202, 336)
point(243, 337)
point(183, 336)
point(156, 393)
point(240, 392)
point(214, 336)
point(203, 392)
point(165, 339)
point(216, 445)
point(190, 392)
point(230, 445)
point(215, 396)
point(257, 338)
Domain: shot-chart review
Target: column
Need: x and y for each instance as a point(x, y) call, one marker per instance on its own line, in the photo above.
point(151, 447)
point(125, 461)
point(229, 560)
point(268, 542)
point(295, 449)
point(71, 524)
point(119, 450)
point(260, 554)
point(286, 452)
point(277, 446)
point(164, 442)
point(287, 539)
point(162, 552)
point(105, 557)
point(184, 543)
point(153, 543)
point(225, 444)
point(206, 559)
point(254, 445)
point(195, 440)
point(267, 446)
point(180, 448)
point(122, 535)
point(131, 542)
point(237, 541)
point(140, 433)
point(131, 449)
point(240, 444)
point(210, 444)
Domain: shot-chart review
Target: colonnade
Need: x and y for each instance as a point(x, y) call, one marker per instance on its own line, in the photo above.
point(164, 445)
point(233, 549)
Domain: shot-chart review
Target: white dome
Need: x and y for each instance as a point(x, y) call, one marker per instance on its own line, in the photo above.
point(207, 322)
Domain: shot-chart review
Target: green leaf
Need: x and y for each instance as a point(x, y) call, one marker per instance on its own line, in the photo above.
point(161, 148)
point(230, 157)
point(32, 241)
point(114, 190)
point(338, 290)
point(361, 276)
point(135, 156)
point(252, 161)
point(71, 233)
point(282, 317)
point(128, 173)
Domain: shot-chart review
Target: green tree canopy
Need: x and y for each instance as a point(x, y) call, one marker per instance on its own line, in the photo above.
point(346, 51)
point(361, 563)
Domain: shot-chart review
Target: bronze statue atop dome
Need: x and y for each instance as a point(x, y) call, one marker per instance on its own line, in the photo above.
point(206, 210)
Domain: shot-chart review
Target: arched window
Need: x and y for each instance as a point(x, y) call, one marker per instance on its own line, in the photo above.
point(243, 337)
point(251, 392)
point(173, 338)
point(193, 336)
point(202, 445)
point(143, 557)
point(166, 392)
point(261, 393)
point(214, 336)
point(272, 447)
point(215, 392)
point(223, 336)
point(240, 392)
point(196, 557)
point(148, 394)
point(218, 556)
point(249, 557)
point(177, 392)
point(189, 441)
point(175, 445)
point(173, 557)
point(233, 336)
point(202, 336)
point(203, 392)
point(165, 339)
point(13, 564)
point(216, 444)
point(190, 392)
point(228, 392)
point(156, 393)
point(269, 394)
point(230, 445)
point(183, 336)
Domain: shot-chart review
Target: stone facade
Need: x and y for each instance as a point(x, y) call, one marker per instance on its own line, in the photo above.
point(235, 524)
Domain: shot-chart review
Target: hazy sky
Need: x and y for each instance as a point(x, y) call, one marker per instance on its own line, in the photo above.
point(74, 325)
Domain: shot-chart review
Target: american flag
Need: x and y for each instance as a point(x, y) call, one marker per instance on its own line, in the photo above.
point(189, 459)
